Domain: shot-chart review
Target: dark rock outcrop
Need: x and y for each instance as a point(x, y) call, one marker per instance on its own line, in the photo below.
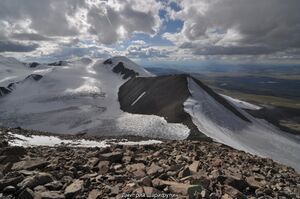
point(164, 96)
point(33, 64)
point(58, 63)
point(121, 69)
point(108, 61)
point(4, 91)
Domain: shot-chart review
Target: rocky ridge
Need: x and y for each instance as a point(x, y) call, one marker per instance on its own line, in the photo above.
point(173, 169)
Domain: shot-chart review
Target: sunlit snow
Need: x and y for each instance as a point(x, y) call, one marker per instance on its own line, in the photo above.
point(257, 137)
point(53, 141)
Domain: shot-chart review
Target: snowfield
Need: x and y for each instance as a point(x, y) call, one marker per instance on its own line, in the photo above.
point(54, 141)
point(79, 96)
point(258, 137)
point(241, 104)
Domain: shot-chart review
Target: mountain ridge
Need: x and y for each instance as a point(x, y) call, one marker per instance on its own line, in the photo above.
point(118, 97)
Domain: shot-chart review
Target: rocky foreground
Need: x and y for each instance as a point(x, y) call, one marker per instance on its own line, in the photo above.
point(174, 169)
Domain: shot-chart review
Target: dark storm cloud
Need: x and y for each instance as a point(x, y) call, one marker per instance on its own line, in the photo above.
point(29, 36)
point(9, 46)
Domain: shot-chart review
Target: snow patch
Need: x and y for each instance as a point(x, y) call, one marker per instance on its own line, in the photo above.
point(53, 141)
point(241, 104)
point(138, 98)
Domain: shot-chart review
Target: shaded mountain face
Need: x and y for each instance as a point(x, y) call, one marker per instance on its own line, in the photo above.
point(117, 97)
point(163, 96)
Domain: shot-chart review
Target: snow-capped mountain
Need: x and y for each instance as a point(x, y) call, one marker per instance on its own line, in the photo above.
point(118, 97)
point(78, 96)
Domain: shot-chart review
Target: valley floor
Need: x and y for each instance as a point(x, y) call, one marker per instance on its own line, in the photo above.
point(172, 169)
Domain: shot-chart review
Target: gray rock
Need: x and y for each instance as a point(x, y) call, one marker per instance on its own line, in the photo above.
point(34, 181)
point(146, 181)
point(49, 195)
point(74, 189)
point(103, 167)
point(234, 193)
point(9, 190)
point(95, 194)
point(26, 194)
point(54, 186)
point(115, 157)
point(184, 173)
point(154, 169)
point(30, 164)
point(194, 167)
point(135, 167)
point(10, 182)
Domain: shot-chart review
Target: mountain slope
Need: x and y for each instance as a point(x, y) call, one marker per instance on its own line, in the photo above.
point(183, 99)
point(257, 136)
point(118, 97)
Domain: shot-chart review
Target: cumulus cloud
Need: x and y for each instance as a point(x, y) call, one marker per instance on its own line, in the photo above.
point(109, 20)
point(229, 27)
point(105, 21)
point(140, 50)
point(265, 29)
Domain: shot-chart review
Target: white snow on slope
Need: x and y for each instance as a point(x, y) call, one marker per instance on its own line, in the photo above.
point(138, 98)
point(257, 137)
point(54, 141)
point(81, 96)
point(11, 70)
point(240, 103)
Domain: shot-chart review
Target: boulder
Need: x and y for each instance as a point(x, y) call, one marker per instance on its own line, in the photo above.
point(9, 190)
point(95, 194)
point(103, 167)
point(34, 181)
point(30, 165)
point(10, 182)
point(26, 194)
point(135, 167)
point(183, 189)
point(54, 186)
point(154, 169)
point(49, 195)
point(184, 173)
point(234, 193)
point(146, 181)
point(255, 182)
point(139, 174)
point(115, 157)
point(13, 151)
point(194, 167)
point(74, 189)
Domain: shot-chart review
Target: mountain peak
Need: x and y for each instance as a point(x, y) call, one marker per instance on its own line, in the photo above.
point(128, 64)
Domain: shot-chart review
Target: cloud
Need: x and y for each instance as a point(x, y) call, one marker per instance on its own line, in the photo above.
point(143, 51)
point(29, 36)
point(228, 29)
point(235, 27)
point(111, 23)
point(8, 46)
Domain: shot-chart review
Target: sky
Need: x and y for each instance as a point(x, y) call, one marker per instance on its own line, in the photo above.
point(153, 31)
